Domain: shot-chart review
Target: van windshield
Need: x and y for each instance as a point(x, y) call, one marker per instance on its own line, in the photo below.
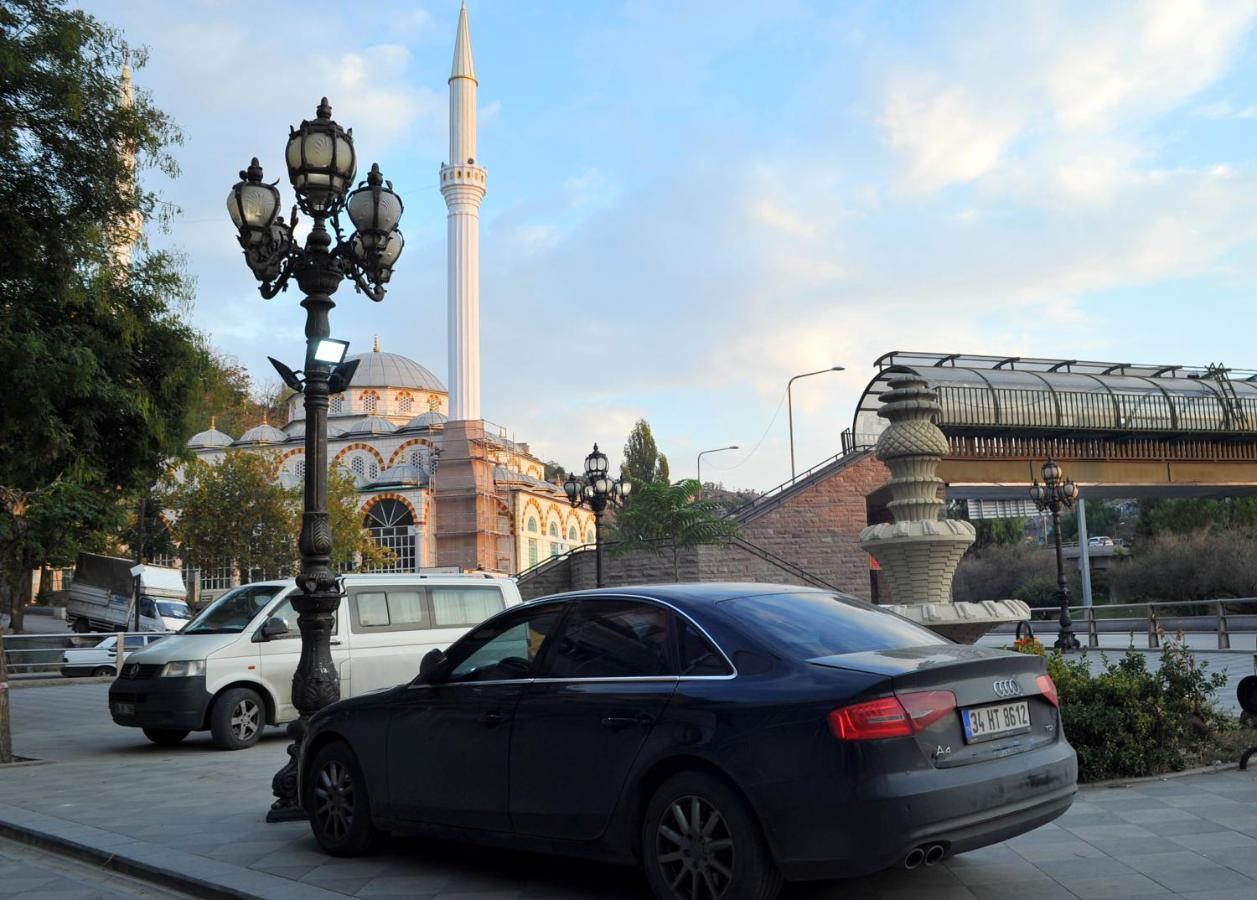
point(233, 611)
point(172, 610)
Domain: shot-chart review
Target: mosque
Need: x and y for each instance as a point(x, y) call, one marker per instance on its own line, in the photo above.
point(440, 487)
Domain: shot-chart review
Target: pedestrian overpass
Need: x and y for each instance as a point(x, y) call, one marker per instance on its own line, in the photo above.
point(1118, 429)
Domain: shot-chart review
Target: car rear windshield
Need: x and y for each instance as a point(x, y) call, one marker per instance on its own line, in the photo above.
point(808, 625)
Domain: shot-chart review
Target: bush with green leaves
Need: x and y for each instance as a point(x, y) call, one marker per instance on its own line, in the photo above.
point(1127, 721)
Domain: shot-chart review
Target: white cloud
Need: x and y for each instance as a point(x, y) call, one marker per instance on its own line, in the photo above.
point(1224, 109)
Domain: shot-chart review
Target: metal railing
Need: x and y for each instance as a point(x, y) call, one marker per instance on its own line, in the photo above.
point(741, 512)
point(1160, 619)
point(537, 567)
point(43, 654)
point(784, 564)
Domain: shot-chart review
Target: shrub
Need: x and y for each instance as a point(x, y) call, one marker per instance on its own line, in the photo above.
point(1126, 721)
point(1020, 571)
point(1202, 565)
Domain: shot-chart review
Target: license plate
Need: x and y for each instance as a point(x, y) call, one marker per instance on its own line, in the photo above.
point(988, 722)
point(124, 709)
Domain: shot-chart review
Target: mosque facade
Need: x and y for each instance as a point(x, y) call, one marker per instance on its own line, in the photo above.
point(436, 491)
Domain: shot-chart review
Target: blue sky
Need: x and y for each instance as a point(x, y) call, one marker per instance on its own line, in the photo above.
point(689, 202)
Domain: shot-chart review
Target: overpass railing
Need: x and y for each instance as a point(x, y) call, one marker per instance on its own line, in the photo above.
point(1019, 447)
point(1158, 619)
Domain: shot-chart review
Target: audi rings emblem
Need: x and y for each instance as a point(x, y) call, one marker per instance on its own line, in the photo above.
point(1007, 687)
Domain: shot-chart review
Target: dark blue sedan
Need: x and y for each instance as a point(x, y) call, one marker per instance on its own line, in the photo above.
point(721, 736)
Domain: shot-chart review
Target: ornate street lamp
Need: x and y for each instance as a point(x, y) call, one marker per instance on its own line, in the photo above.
point(1053, 496)
point(595, 490)
point(321, 168)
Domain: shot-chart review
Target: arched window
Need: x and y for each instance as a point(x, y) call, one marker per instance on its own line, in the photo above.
point(589, 536)
point(405, 402)
point(532, 523)
point(571, 534)
point(358, 465)
point(336, 405)
point(554, 529)
point(370, 402)
point(415, 458)
point(391, 526)
point(299, 467)
point(373, 471)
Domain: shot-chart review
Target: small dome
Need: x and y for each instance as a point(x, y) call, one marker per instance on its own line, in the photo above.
point(371, 425)
point(296, 430)
point(389, 370)
point(262, 434)
point(400, 475)
point(426, 420)
point(209, 439)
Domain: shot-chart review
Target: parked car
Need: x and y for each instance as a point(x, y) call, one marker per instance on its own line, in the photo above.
point(1101, 540)
point(720, 736)
point(101, 659)
point(230, 669)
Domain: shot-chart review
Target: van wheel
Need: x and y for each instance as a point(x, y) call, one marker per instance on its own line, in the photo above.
point(163, 737)
point(237, 719)
point(336, 801)
point(699, 840)
point(102, 671)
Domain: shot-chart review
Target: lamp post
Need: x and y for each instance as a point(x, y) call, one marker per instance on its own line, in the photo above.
point(321, 167)
point(596, 490)
point(1053, 496)
point(700, 463)
point(790, 407)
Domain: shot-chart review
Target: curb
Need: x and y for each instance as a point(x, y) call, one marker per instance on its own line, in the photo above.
point(163, 866)
point(1165, 776)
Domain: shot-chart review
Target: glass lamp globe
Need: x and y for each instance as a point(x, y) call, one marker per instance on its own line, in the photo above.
point(1037, 493)
point(587, 492)
point(1069, 492)
point(1051, 471)
point(373, 207)
point(596, 463)
point(321, 162)
point(571, 487)
point(252, 204)
point(626, 486)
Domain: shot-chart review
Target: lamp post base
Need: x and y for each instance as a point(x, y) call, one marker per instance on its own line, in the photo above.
point(286, 807)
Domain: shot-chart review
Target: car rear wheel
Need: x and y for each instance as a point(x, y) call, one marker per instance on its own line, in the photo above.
point(701, 842)
point(102, 671)
point(335, 795)
point(164, 737)
point(238, 719)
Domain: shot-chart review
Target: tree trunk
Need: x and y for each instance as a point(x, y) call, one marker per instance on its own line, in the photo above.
point(676, 563)
point(6, 738)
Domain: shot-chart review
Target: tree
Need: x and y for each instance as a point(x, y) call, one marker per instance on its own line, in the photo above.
point(99, 367)
point(667, 518)
point(643, 463)
point(349, 538)
point(555, 473)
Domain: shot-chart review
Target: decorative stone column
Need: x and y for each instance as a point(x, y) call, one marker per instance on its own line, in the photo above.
point(919, 551)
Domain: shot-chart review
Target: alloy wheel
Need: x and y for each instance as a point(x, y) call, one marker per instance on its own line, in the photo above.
point(695, 849)
point(334, 795)
point(246, 719)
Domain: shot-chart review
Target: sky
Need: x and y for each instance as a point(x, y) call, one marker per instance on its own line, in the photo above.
point(690, 201)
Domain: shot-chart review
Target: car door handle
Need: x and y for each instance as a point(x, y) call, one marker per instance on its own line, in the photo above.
point(615, 723)
point(333, 643)
point(492, 719)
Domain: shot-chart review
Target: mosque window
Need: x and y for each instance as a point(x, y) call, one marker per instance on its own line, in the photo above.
point(589, 536)
point(357, 465)
point(415, 458)
point(555, 548)
point(532, 551)
point(299, 467)
point(532, 523)
point(554, 529)
point(405, 402)
point(373, 471)
point(571, 534)
point(370, 402)
point(336, 405)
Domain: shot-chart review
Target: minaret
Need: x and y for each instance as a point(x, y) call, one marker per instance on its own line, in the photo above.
point(463, 186)
point(127, 233)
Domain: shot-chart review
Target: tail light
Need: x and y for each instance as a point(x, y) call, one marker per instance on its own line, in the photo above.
point(898, 716)
point(1047, 687)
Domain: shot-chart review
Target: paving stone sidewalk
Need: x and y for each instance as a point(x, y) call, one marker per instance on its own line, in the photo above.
point(200, 812)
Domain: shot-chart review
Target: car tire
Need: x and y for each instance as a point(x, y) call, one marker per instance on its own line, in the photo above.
point(102, 671)
point(696, 828)
point(337, 803)
point(237, 719)
point(165, 737)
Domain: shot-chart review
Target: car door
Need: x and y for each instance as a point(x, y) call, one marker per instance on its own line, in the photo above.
point(278, 657)
point(602, 685)
point(449, 741)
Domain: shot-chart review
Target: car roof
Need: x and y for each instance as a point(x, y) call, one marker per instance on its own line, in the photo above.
point(692, 596)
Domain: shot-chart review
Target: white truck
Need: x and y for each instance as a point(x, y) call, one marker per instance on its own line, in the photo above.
point(103, 590)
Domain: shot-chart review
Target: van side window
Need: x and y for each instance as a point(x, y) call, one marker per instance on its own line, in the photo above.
point(289, 615)
point(388, 609)
point(453, 606)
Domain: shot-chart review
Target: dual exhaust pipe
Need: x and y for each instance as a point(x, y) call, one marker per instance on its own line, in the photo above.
point(925, 855)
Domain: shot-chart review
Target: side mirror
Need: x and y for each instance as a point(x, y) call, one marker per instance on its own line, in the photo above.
point(275, 627)
point(431, 664)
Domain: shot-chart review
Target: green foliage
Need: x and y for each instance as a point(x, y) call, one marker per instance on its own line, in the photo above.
point(1127, 721)
point(1020, 571)
point(1102, 518)
point(99, 366)
point(1199, 566)
point(666, 518)
point(643, 463)
point(1163, 517)
point(555, 473)
point(999, 531)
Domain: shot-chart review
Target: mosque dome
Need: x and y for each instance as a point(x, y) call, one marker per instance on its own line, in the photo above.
point(427, 420)
point(391, 370)
point(401, 475)
point(369, 426)
point(262, 434)
point(209, 438)
point(296, 430)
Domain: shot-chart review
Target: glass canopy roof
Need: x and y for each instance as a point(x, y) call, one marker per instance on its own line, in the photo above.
point(994, 394)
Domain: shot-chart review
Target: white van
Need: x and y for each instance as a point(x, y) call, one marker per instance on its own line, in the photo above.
point(230, 669)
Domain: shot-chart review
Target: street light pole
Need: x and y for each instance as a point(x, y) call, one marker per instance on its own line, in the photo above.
point(595, 490)
point(321, 168)
point(1053, 496)
point(790, 407)
point(699, 463)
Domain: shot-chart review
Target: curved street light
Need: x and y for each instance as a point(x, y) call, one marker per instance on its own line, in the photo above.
point(321, 167)
point(1053, 496)
point(699, 462)
point(790, 406)
point(596, 490)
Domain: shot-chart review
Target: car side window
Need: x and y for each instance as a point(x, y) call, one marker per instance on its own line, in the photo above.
point(611, 639)
point(506, 650)
point(285, 611)
point(698, 656)
point(387, 609)
point(134, 641)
